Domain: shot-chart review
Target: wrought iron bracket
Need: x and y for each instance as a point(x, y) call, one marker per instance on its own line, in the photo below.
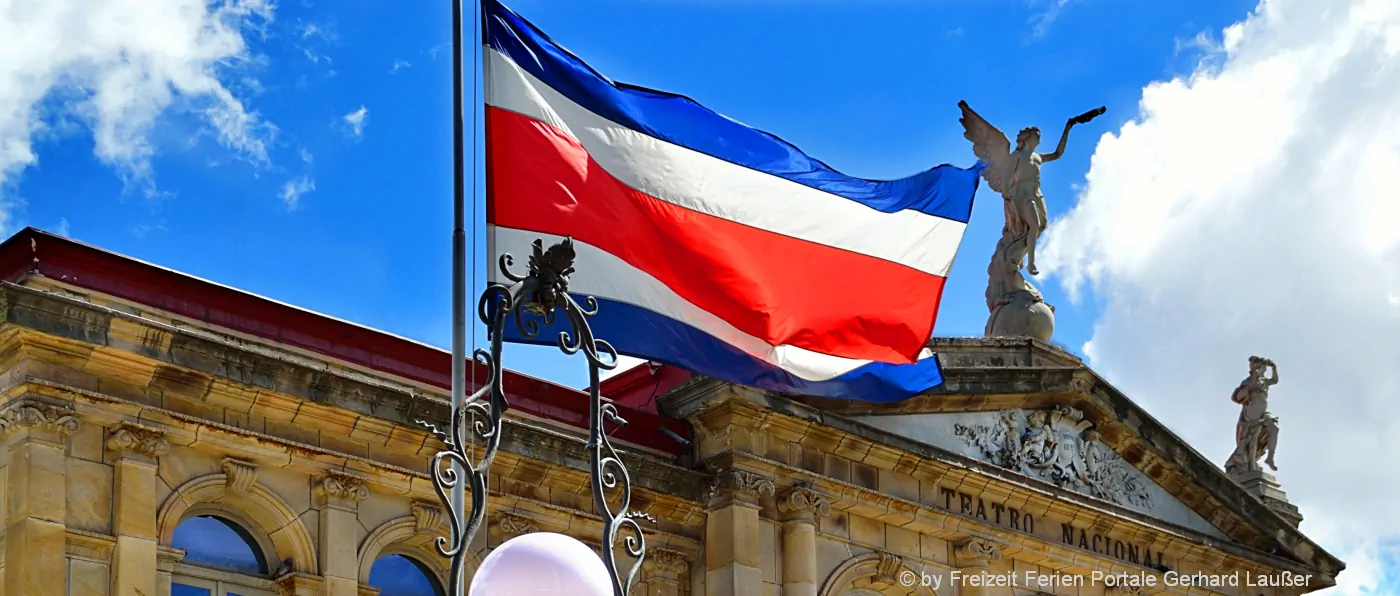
point(532, 300)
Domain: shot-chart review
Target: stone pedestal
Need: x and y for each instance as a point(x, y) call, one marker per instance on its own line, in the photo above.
point(1263, 485)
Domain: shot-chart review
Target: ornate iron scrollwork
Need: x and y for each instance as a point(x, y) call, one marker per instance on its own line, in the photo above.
point(533, 301)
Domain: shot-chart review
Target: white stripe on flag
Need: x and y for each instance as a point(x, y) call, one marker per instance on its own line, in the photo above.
point(612, 278)
point(699, 182)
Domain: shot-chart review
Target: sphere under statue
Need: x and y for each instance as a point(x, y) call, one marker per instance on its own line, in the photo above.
point(541, 564)
point(1024, 315)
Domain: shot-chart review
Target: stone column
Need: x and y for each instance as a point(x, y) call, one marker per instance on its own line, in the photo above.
point(166, 558)
point(800, 507)
point(664, 570)
point(339, 497)
point(732, 559)
point(974, 556)
point(36, 436)
point(134, 560)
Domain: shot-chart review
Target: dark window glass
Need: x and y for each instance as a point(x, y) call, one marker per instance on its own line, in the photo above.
point(397, 575)
point(213, 541)
point(184, 590)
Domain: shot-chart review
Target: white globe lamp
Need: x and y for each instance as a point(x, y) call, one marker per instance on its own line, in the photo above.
point(541, 564)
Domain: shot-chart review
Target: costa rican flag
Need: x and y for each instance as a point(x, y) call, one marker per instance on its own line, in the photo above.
point(711, 245)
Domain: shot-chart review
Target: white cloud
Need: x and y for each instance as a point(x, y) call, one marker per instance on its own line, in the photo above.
point(294, 189)
point(355, 121)
point(1041, 21)
point(1250, 208)
point(114, 67)
point(305, 155)
point(398, 65)
point(62, 229)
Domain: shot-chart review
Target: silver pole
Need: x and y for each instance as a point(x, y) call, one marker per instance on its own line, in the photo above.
point(459, 265)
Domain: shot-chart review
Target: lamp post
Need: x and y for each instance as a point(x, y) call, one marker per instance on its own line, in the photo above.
point(531, 300)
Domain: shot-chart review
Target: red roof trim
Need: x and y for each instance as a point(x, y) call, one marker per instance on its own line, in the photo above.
point(82, 265)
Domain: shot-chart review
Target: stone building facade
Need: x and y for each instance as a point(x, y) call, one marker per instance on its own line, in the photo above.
point(134, 399)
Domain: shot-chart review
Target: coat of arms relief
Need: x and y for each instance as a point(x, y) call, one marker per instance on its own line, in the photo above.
point(1059, 446)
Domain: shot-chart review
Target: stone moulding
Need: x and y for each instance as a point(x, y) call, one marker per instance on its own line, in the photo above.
point(883, 567)
point(1059, 446)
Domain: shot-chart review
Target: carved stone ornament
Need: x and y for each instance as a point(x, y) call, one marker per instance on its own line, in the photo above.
point(514, 525)
point(802, 500)
point(37, 416)
point(744, 483)
point(138, 439)
point(1119, 590)
point(241, 475)
point(976, 552)
point(1060, 447)
point(426, 517)
point(887, 569)
point(666, 560)
point(1083, 382)
point(344, 487)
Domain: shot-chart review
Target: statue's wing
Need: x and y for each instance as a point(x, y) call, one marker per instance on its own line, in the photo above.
point(990, 145)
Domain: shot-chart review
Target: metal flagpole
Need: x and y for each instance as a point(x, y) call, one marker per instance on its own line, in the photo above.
point(459, 268)
point(533, 300)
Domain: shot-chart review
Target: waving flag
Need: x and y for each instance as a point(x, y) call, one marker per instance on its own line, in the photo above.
point(711, 245)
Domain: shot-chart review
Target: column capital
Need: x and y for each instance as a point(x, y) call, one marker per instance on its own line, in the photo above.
point(976, 553)
point(296, 583)
point(733, 485)
point(803, 503)
point(339, 488)
point(512, 525)
point(31, 415)
point(128, 438)
point(666, 561)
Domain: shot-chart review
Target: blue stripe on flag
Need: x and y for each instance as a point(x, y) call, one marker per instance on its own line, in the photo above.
point(641, 333)
point(944, 191)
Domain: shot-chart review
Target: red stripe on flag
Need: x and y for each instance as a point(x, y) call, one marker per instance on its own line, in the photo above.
point(783, 290)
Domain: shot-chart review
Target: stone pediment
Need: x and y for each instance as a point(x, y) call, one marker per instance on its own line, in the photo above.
point(1038, 412)
point(1055, 444)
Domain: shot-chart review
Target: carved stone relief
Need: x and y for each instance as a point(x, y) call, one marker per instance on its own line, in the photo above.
point(240, 474)
point(28, 414)
point(514, 525)
point(1059, 446)
point(138, 439)
point(426, 517)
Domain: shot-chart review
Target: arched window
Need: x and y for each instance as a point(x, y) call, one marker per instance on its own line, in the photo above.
point(397, 575)
point(221, 559)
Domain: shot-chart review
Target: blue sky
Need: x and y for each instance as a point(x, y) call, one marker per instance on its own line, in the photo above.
point(870, 88)
point(1232, 201)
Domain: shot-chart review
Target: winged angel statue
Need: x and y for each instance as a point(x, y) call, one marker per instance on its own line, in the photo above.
point(1017, 308)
